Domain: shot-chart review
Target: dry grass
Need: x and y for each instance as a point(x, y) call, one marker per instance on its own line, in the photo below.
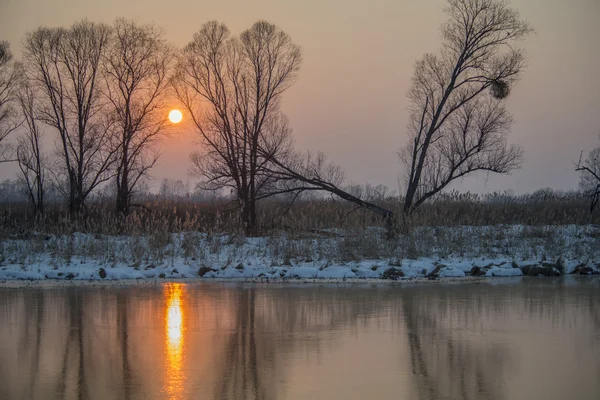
point(324, 230)
point(160, 217)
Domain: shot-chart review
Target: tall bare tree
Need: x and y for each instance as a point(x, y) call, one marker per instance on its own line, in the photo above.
point(136, 73)
point(232, 88)
point(29, 152)
point(64, 65)
point(9, 116)
point(589, 180)
point(458, 123)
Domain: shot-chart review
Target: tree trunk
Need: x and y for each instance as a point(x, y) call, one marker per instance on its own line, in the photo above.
point(75, 200)
point(39, 214)
point(252, 217)
point(123, 199)
point(249, 216)
point(123, 194)
point(405, 225)
point(408, 199)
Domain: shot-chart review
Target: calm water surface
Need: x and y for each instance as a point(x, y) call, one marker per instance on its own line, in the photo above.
point(503, 339)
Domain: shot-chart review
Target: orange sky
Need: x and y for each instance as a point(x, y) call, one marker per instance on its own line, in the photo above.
point(349, 100)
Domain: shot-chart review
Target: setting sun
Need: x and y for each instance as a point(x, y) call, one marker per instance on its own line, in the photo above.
point(175, 116)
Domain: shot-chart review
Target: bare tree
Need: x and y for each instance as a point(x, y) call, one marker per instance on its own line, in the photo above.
point(589, 180)
point(9, 117)
point(64, 65)
point(29, 152)
point(458, 123)
point(232, 87)
point(136, 75)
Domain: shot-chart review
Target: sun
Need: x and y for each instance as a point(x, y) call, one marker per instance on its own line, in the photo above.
point(175, 116)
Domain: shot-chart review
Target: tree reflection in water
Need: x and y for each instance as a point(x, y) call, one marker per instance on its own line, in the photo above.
point(448, 358)
point(272, 323)
point(239, 374)
point(239, 341)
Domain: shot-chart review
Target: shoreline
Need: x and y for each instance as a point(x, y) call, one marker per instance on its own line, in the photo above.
point(61, 283)
point(18, 283)
point(450, 253)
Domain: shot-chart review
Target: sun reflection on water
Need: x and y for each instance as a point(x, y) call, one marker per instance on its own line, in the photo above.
point(174, 376)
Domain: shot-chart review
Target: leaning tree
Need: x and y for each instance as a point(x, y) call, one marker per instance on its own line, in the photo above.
point(458, 122)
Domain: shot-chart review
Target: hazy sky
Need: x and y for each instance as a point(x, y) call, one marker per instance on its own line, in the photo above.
point(349, 100)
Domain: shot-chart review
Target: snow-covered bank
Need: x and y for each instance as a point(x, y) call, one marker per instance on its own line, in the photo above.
point(429, 253)
point(367, 270)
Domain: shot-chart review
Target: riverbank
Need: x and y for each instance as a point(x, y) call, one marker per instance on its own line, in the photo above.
point(54, 283)
point(428, 253)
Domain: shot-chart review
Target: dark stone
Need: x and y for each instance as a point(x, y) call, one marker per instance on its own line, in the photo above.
point(536, 270)
point(239, 267)
point(514, 264)
point(204, 270)
point(560, 265)
point(583, 269)
point(436, 271)
point(477, 271)
point(392, 273)
point(102, 273)
point(69, 276)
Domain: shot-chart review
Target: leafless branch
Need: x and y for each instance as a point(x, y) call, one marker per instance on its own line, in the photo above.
point(64, 65)
point(32, 163)
point(232, 87)
point(10, 119)
point(589, 181)
point(458, 123)
point(135, 70)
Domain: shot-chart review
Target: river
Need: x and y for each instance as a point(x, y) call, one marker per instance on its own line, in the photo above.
point(503, 338)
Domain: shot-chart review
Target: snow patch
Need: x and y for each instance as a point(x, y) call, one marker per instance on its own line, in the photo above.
point(451, 273)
